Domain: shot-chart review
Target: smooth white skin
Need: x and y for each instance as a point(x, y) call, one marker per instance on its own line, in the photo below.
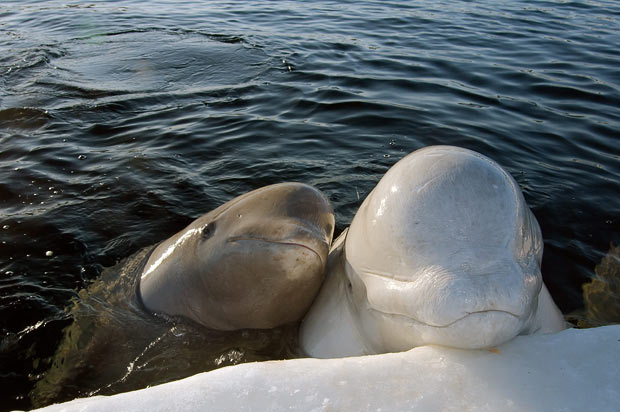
point(445, 251)
point(257, 261)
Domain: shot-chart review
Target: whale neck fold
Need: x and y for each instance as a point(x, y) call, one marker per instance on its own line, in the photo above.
point(548, 318)
point(330, 329)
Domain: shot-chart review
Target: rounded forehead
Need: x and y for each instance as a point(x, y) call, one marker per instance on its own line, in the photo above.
point(438, 201)
point(288, 199)
point(453, 188)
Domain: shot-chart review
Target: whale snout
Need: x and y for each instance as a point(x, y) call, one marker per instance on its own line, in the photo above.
point(453, 307)
point(292, 236)
point(476, 330)
point(285, 274)
point(306, 256)
point(452, 295)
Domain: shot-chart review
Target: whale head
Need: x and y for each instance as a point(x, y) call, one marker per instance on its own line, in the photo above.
point(257, 261)
point(444, 250)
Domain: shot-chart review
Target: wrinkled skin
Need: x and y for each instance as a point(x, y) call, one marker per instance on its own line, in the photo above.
point(444, 250)
point(255, 262)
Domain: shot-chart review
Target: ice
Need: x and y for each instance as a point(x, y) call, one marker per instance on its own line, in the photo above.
point(574, 370)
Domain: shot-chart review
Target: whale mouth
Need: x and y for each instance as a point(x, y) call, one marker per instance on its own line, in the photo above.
point(412, 320)
point(474, 330)
point(278, 242)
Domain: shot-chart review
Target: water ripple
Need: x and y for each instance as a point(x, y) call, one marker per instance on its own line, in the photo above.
point(122, 121)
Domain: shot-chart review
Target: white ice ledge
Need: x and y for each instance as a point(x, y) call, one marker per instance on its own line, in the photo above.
point(574, 370)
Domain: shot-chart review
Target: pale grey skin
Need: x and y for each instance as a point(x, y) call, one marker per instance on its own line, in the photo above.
point(444, 251)
point(255, 262)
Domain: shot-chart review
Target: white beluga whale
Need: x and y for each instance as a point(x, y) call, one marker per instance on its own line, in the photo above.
point(444, 250)
point(255, 262)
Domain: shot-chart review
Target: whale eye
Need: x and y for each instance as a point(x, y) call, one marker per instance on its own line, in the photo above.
point(208, 230)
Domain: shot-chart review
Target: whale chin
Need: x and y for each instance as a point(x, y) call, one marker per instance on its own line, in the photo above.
point(478, 330)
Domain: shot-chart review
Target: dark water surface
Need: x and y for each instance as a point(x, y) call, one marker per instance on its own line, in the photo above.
point(122, 121)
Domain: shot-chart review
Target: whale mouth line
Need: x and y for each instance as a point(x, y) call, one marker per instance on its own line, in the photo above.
point(279, 242)
point(410, 319)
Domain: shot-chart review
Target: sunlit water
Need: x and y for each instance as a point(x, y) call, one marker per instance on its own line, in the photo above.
point(120, 122)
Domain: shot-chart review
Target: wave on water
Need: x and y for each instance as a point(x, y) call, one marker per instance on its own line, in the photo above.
point(120, 122)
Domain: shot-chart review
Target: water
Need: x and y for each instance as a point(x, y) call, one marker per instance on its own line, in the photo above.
point(122, 121)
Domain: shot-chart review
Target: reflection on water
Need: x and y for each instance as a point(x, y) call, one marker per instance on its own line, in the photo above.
point(23, 118)
point(121, 122)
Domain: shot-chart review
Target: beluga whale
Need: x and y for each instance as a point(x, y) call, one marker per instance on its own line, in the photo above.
point(445, 251)
point(243, 274)
point(256, 261)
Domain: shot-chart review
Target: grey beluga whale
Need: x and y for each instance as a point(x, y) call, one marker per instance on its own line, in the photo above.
point(444, 250)
point(256, 262)
point(243, 274)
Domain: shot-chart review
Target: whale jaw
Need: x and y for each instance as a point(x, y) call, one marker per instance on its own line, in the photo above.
point(476, 330)
point(455, 305)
